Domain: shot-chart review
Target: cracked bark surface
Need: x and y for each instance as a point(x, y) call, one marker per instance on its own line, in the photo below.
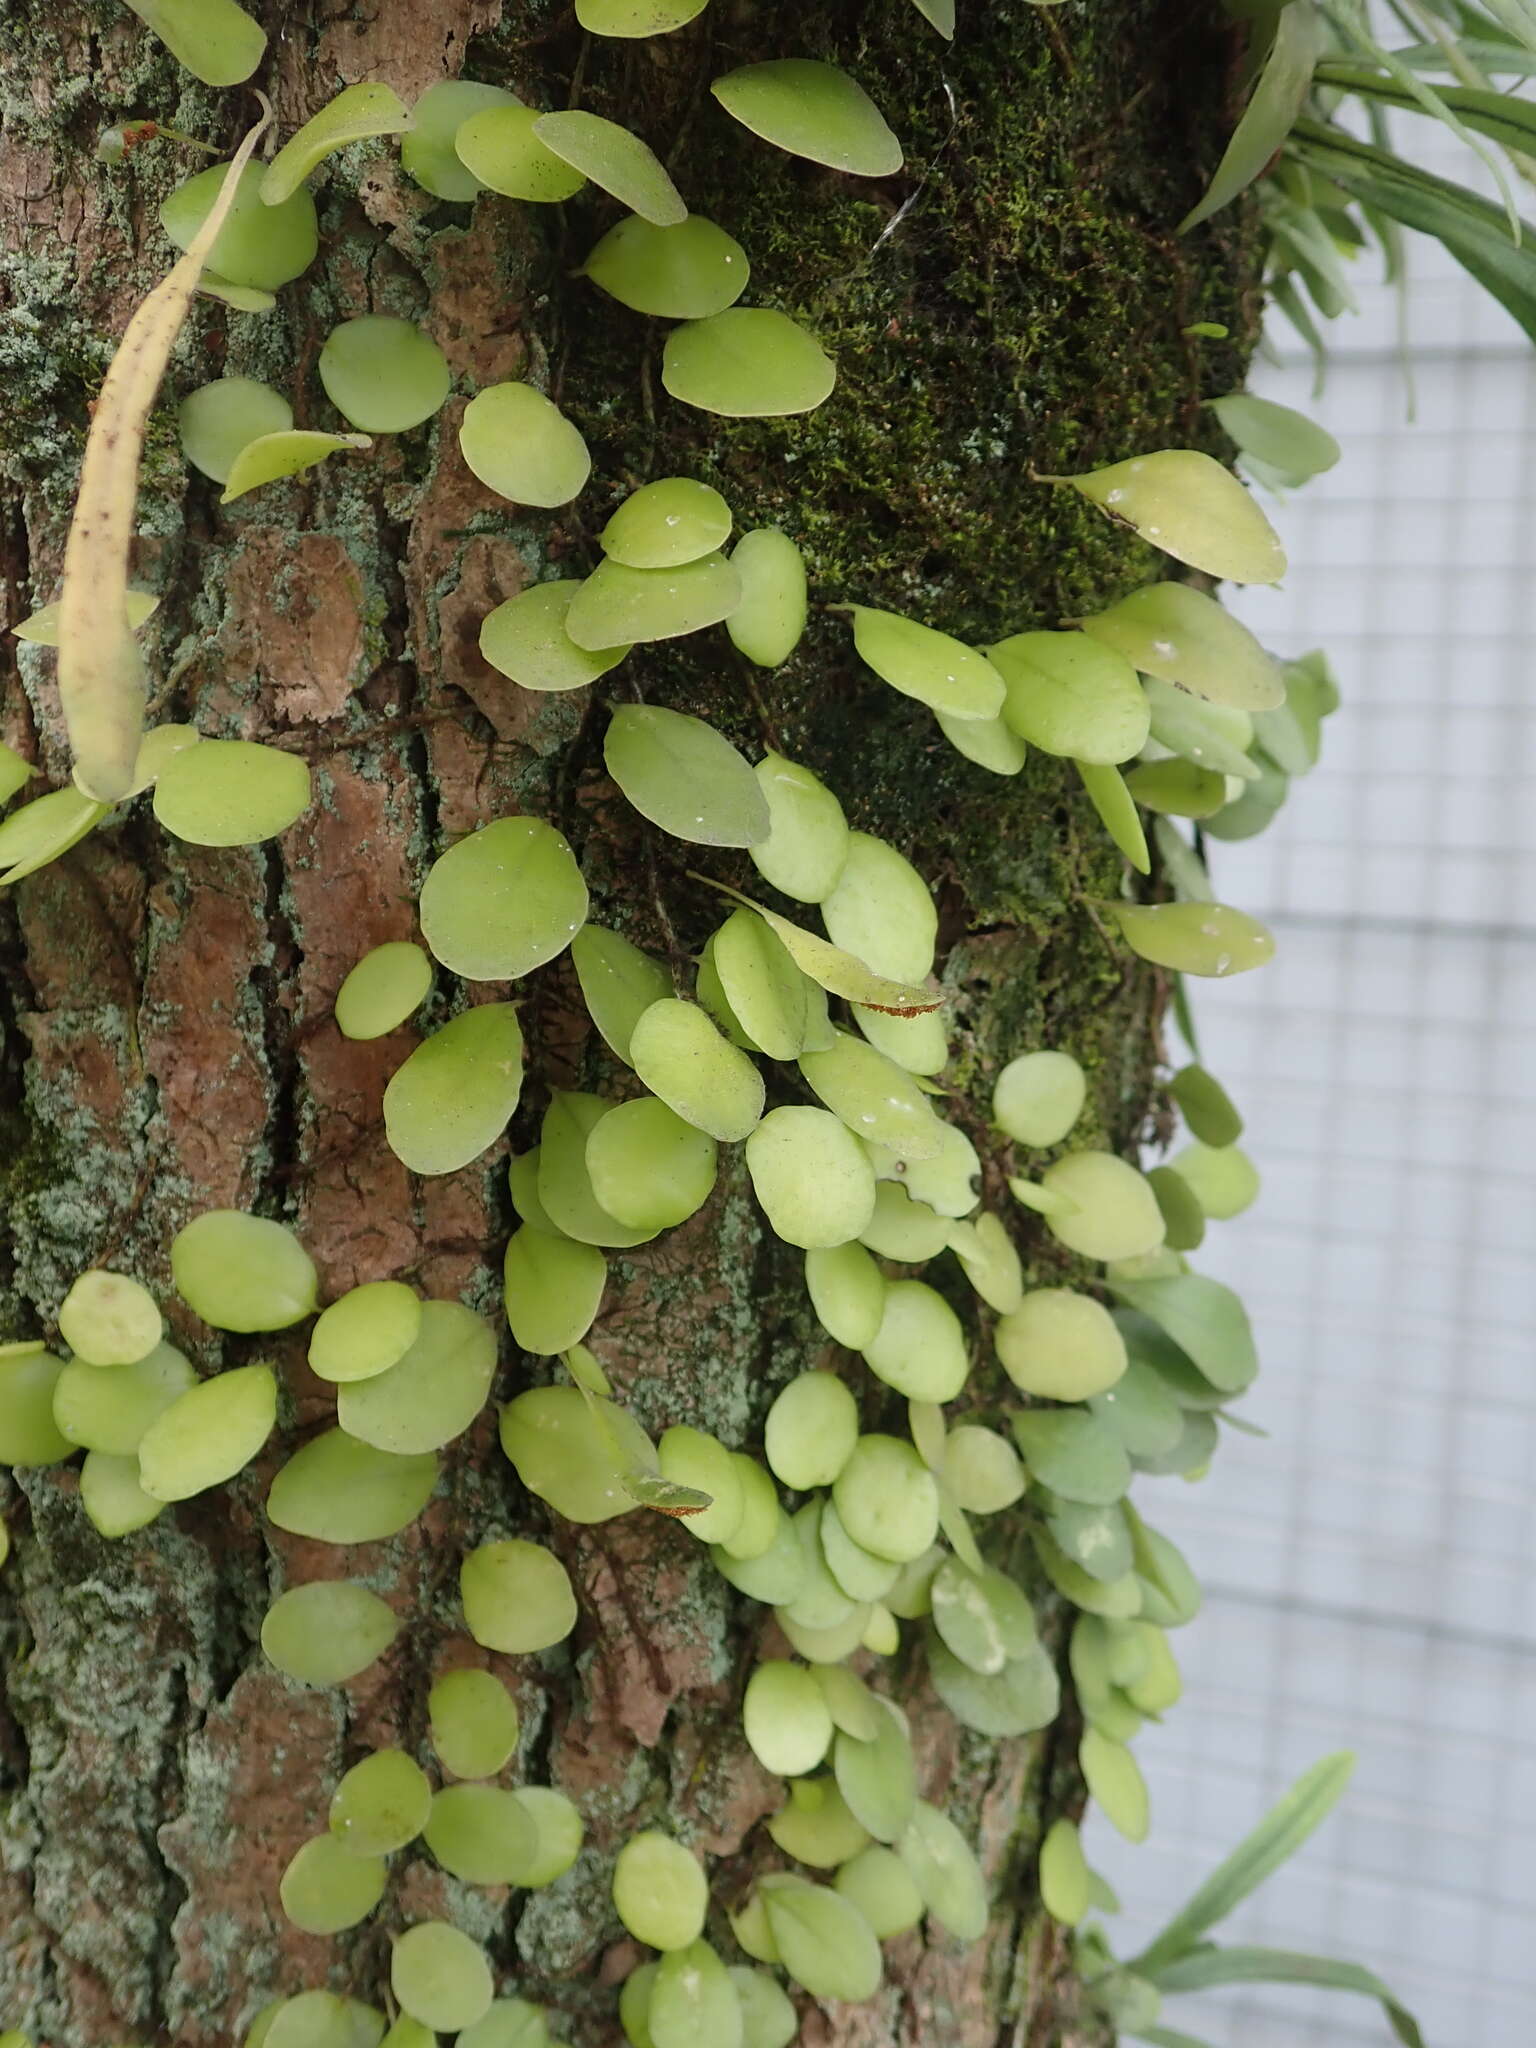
point(167, 1042)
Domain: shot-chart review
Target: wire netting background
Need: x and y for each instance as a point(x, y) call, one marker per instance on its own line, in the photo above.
point(1368, 1568)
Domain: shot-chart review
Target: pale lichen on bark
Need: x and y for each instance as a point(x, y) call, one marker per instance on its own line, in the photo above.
point(164, 1008)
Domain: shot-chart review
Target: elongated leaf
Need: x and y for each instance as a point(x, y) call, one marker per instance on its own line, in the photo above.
point(1474, 232)
point(1268, 118)
point(1206, 1967)
point(1466, 110)
point(1494, 60)
point(1169, 2037)
point(1278, 1836)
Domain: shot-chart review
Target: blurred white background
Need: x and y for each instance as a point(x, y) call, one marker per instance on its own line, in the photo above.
point(1369, 1568)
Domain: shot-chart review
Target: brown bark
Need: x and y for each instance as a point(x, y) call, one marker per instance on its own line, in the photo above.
point(168, 1045)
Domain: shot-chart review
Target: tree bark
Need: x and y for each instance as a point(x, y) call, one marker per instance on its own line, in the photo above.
point(1014, 301)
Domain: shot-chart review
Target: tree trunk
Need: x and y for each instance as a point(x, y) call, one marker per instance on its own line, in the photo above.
point(1014, 301)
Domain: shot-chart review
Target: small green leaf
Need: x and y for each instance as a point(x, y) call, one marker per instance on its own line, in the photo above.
point(505, 900)
point(941, 13)
point(1278, 97)
point(1073, 695)
point(1185, 637)
point(812, 110)
point(837, 971)
point(520, 443)
point(920, 662)
point(1115, 1784)
point(685, 777)
point(499, 147)
point(357, 112)
point(1189, 506)
point(1194, 938)
point(617, 606)
point(427, 153)
point(271, 457)
point(1280, 437)
point(1112, 799)
point(1204, 1318)
point(747, 363)
point(825, 1943)
point(630, 18)
point(455, 1093)
point(525, 639)
point(615, 159)
point(231, 792)
point(689, 271)
point(1207, 1108)
point(217, 41)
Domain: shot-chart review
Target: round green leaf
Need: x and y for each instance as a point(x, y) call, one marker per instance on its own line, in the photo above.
point(811, 1176)
point(825, 1943)
point(552, 1287)
point(433, 1393)
point(503, 901)
point(648, 1167)
point(919, 1348)
point(440, 1977)
point(1038, 1097)
point(886, 1499)
point(747, 363)
point(811, 1430)
point(365, 1332)
point(1071, 695)
point(218, 419)
point(109, 1408)
point(874, 1097)
point(474, 1723)
point(681, 1057)
point(517, 1597)
point(386, 986)
point(231, 792)
point(881, 910)
point(808, 835)
point(767, 624)
point(427, 153)
point(574, 1454)
point(878, 1778)
point(455, 1093)
point(1061, 1345)
point(615, 159)
point(208, 1434)
point(666, 523)
point(337, 1490)
point(879, 1884)
point(327, 1889)
point(933, 667)
point(1074, 1454)
point(258, 245)
point(382, 374)
point(29, 1434)
point(519, 443)
point(688, 271)
point(500, 147)
point(565, 1180)
point(1113, 1214)
point(327, 1632)
point(1023, 1696)
point(660, 1890)
point(242, 1272)
point(684, 776)
point(812, 110)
